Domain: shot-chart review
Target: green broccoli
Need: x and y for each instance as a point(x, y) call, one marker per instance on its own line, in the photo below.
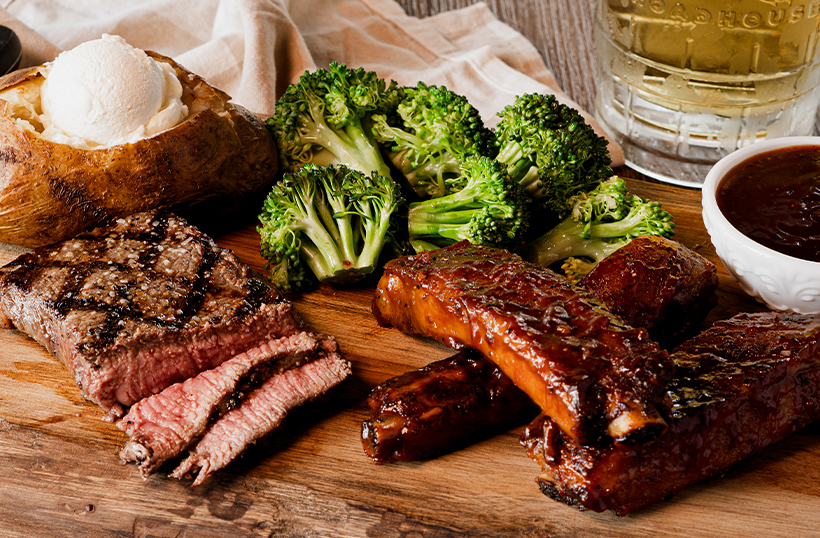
point(433, 130)
point(485, 206)
point(551, 150)
point(330, 219)
point(601, 222)
point(324, 118)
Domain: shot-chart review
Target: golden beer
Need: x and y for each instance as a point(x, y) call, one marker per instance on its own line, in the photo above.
point(683, 83)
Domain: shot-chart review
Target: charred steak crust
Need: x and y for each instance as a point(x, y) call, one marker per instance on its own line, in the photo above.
point(143, 303)
point(740, 386)
point(580, 363)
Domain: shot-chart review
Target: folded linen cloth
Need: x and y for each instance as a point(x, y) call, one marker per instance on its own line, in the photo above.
point(252, 49)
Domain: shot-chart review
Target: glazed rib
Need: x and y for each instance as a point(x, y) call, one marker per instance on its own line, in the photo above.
point(651, 282)
point(740, 386)
point(658, 284)
point(578, 362)
point(440, 407)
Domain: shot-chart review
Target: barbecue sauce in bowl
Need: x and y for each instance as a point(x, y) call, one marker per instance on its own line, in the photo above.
point(774, 199)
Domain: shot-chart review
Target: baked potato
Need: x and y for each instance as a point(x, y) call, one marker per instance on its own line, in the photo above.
point(218, 160)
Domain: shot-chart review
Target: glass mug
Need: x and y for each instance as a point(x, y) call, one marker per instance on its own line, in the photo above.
point(682, 83)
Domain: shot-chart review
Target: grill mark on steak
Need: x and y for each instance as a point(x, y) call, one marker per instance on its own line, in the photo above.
point(263, 411)
point(740, 386)
point(139, 305)
point(581, 364)
point(161, 426)
point(69, 295)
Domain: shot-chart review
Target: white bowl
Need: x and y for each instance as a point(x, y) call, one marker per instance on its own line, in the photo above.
point(780, 281)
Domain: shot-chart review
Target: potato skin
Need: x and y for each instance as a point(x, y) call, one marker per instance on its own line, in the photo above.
point(220, 161)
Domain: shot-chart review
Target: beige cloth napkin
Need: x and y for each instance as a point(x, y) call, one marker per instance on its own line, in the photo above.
point(252, 49)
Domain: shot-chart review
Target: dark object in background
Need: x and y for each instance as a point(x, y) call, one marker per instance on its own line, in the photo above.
point(11, 50)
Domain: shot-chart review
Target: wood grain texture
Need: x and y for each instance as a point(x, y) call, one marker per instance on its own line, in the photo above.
point(60, 475)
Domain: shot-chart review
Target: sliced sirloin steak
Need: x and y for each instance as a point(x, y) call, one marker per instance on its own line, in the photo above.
point(137, 306)
point(161, 426)
point(262, 411)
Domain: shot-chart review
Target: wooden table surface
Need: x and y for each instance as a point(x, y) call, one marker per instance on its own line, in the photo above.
point(60, 476)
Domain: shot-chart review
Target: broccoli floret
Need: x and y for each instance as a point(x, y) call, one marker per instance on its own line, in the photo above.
point(434, 129)
point(324, 118)
point(330, 219)
point(601, 222)
point(551, 150)
point(485, 206)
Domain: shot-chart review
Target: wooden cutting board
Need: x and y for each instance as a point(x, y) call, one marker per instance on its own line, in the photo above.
point(60, 475)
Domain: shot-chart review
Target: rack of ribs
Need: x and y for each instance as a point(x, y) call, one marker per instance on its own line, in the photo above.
point(739, 386)
point(651, 282)
point(584, 367)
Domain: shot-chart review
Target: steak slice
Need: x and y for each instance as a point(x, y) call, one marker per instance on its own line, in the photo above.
point(137, 306)
point(739, 386)
point(263, 411)
point(658, 284)
point(161, 426)
point(585, 368)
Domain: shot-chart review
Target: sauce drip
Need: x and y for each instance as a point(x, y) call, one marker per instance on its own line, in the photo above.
point(774, 199)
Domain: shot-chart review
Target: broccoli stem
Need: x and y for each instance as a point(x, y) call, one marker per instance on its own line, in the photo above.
point(334, 215)
point(367, 154)
point(373, 236)
point(420, 245)
point(462, 198)
point(350, 146)
point(567, 240)
point(323, 256)
point(445, 216)
point(428, 179)
point(419, 219)
point(454, 232)
point(519, 166)
point(511, 153)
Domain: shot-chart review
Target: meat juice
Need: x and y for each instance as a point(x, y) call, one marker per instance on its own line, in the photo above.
point(694, 80)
